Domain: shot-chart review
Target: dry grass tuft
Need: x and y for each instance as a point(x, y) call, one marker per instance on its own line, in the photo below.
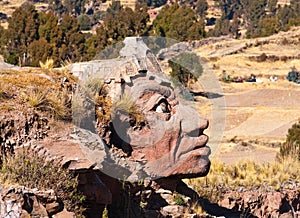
point(127, 105)
point(58, 103)
point(49, 64)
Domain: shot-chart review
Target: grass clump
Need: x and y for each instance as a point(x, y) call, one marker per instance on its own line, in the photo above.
point(178, 199)
point(33, 170)
point(92, 96)
point(49, 64)
point(126, 105)
point(57, 103)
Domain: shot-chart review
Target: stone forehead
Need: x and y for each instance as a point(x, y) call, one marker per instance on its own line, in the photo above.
point(134, 58)
point(147, 85)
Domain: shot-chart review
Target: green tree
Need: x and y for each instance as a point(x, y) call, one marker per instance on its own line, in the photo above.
point(221, 27)
point(84, 22)
point(49, 28)
point(154, 3)
point(284, 14)
point(255, 11)
point(57, 7)
point(75, 7)
point(178, 22)
point(119, 23)
point(269, 26)
point(96, 43)
point(201, 8)
point(185, 68)
point(22, 30)
point(39, 50)
point(229, 8)
point(73, 46)
point(291, 147)
point(272, 6)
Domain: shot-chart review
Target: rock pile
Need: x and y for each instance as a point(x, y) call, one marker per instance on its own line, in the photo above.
point(20, 202)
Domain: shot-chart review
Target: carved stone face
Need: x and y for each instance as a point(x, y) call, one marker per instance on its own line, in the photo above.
point(172, 142)
point(162, 135)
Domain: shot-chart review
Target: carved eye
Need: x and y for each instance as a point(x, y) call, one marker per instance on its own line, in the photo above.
point(162, 106)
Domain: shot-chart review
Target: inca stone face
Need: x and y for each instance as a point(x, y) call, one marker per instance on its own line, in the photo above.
point(169, 140)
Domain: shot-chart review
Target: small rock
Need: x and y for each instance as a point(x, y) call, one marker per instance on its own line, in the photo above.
point(163, 191)
point(147, 182)
point(64, 214)
point(173, 209)
point(13, 142)
point(53, 208)
point(286, 215)
point(168, 197)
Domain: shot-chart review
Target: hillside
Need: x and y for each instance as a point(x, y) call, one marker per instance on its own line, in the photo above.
point(262, 112)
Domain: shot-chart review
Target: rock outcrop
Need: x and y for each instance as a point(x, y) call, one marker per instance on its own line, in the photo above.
point(20, 201)
point(262, 203)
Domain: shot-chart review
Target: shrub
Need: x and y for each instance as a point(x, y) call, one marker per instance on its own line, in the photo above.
point(185, 68)
point(293, 75)
point(178, 199)
point(33, 170)
point(291, 147)
point(127, 105)
point(262, 58)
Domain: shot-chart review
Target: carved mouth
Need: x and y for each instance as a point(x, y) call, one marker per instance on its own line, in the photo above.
point(201, 142)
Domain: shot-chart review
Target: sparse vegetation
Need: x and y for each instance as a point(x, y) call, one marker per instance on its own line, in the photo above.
point(246, 174)
point(33, 170)
point(3, 90)
point(57, 103)
point(178, 199)
point(41, 89)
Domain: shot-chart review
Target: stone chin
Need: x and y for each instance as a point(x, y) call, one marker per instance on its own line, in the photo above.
point(196, 165)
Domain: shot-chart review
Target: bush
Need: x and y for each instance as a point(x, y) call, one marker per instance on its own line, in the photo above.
point(186, 68)
point(33, 170)
point(291, 147)
point(293, 75)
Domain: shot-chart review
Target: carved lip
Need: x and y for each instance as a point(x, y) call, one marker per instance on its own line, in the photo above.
point(201, 142)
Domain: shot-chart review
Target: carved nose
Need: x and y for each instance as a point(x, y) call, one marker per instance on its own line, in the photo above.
point(191, 123)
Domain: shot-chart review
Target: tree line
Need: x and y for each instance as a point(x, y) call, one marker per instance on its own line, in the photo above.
point(34, 36)
point(259, 17)
point(58, 34)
